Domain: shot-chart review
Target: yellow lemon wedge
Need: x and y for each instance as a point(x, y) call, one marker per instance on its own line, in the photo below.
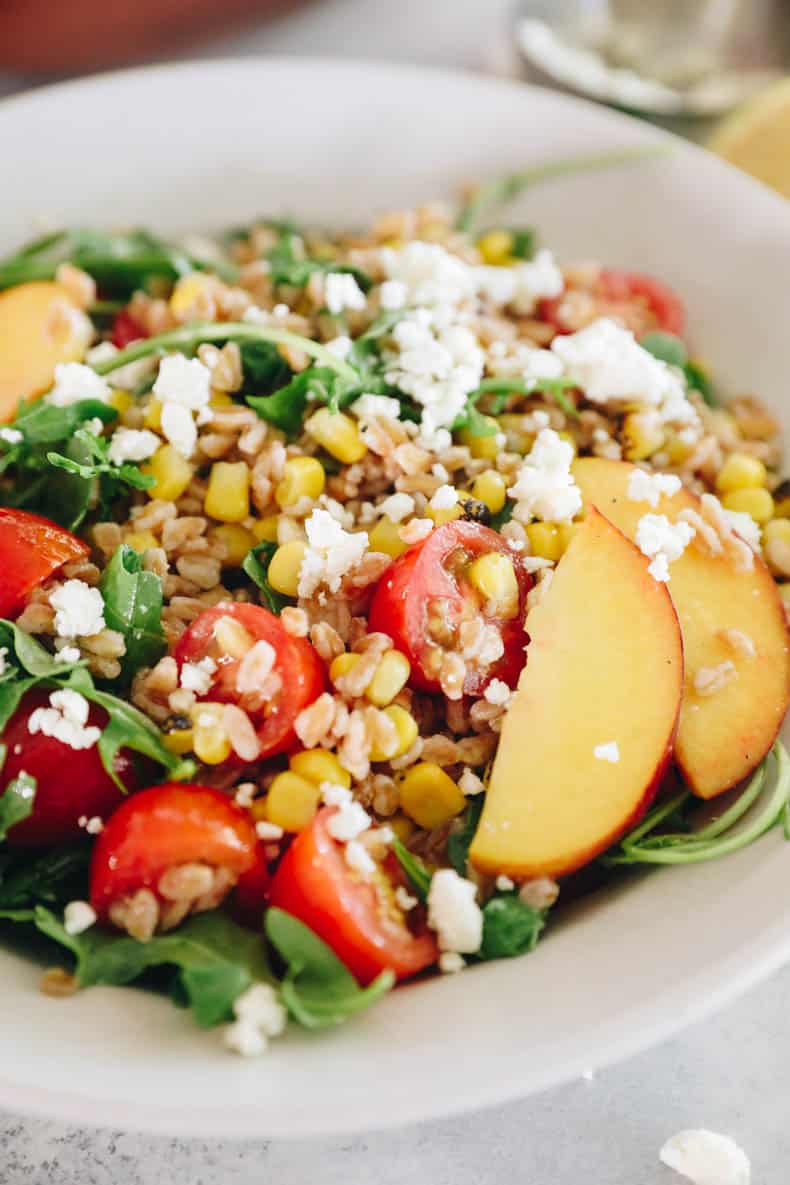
point(756, 137)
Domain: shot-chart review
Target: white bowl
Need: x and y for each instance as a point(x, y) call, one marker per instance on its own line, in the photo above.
point(206, 145)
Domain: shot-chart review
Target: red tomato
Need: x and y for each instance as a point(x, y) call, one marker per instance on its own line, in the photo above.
point(31, 549)
point(126, 330)
point(163, 827)
point(429, 580)
point(299, 668)
point(357, 919)
point(627, 290)
point(70, 782)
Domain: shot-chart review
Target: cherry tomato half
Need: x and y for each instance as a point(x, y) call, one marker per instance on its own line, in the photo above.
point(357, 919)
point(164, 827)
point(298, 668)
point(31, 549)
point(70, 782)
point(425, 595)
point(626, 293)
point(125, 330)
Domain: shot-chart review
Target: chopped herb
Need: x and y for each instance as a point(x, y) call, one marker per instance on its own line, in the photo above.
point(556, 388)
point(133, 607)
point(413, 867)
point(256, 565)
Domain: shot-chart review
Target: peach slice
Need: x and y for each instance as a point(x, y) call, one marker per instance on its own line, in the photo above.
point(40, 326)
point(603, 679)
point(728, 615)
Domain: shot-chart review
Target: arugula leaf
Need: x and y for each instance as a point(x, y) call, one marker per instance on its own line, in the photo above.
point(524, 242)
point(43, 423)
point(133, 607)
point(459, 842)
point(286, 407)
point(290, 265)
point(665, 346)
point(16, 802)
point(698, 380)
point(415, 870)
point(55, 877)
point(29, 654)
point(263, 368)
point(256, 565)
point(100, 464)
point(317, 990)
point(500, 388)
point(473, 421)
point(510, 927)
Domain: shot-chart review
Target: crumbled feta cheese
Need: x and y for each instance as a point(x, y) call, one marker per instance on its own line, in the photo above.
point(450, 962)
point(707, 1158)
point(93, 825)
point(65, 720)
point(416, 530)
point(179, 428)
point(11, 435)
point(662, 542)
point(132, 444)
point(281, 311)
point(185, 381)
point(648, 487)
point(429, 274)
point(359, 859)
point(331, 553)
point(444, 498)
point(341, 291)
point(79, 610)
point(608, 364)
point(540, 364)
point(348, 822)
point(536, 279)
point(393, 294)
point(396, 507)
point(259, 1016)
point(266, 830)
point(196, 676)
point(74, 382)
point(437, 367)
point(245, 1039)
point(745, 526)
point(505, 884)
point(497, 692)
point(68, 653)
point(78, 916)
point(404, 899)
point(544, 486)
point(245, 794)
point(608, 751)
point(470, 784)
point(710, 680)
point(382, 406)
point(454, 913)
point(339, 346)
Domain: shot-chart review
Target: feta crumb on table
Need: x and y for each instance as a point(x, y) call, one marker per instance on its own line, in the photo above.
point(259, 1017)
point(706, 1158)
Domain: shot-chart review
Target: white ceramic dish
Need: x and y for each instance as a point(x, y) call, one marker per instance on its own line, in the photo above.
point(206, 145)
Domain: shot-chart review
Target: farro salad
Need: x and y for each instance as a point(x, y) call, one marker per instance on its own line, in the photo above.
point(357, 590)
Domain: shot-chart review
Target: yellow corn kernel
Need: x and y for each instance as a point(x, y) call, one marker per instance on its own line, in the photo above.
point(220, 399)
point(172, 473)
point(643, 435)
point(566, 533)
point(228, 494)
point(187, 290)
point(342, 664)
point(405, 727)
point(756, 502)
point(338, 434)
point(517, 438)
point(237, 541)
point(210, 741)
point(385, 537)
point(178, 740)
point(390, 677)
point(496, 247)
point(776, 546)
point(319, 765)
point(303, 477)
point(285, 566)
point(232, 638)
point(292, 801)
point(741, 472)
point(152, 415)
point(494, 577)
point(120, 400)
point(482, 447)
point(545, 541)
point(678, 450)
point(446, 514)
point(403, 826)
point(265, 529)
point(429, 796)
point(141, 541)
point(490, 488)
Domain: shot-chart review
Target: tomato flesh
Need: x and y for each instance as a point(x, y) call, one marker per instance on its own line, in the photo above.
point(31, 549)
point(315, 885)
point(164, 827)
point(70, 782)
point(125, 330)
point(625, 290)
point(427, 584)
point(300, 671)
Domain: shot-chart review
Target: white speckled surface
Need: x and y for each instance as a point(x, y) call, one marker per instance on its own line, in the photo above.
point(730, 1074)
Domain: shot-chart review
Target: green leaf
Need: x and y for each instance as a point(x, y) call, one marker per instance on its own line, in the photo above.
point(256, 566)
point(524, 242)
point(510, 927)
point(665, 346)
point(317, 990)
point(16, 802)
point(43, 423)
point(459, 842)
point(55, 877)
point(29, 654)
point(698, 380)
point(472, 421)
point(286, 407)
point(415, 870)
point(289, 264)
point(555, 388)
point(98, 463)
point(263, 368)
point(133, 607)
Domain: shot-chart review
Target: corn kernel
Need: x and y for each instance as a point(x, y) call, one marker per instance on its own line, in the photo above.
point(292, 801)
point(172, 473)
point(494, 577)
point(285, 567)
point(545, 541)
point(403, 826)
point(517, 438)
point(566, 533)
point(776, 546)
point(228, 494)
point(342, 664)
point(444, 515)
point(496, 247)
point(490, 488)
point(120, 400)
point(678, 450)
point(237, 541)
point(265, 529)
point(152, 415)
point(643, 435)
point(756, 502)
point(390, 677)
point(141, 541)
point(303, 477)
point(319, 765)
point(482, 447)
point(385, 537)
point(220, 399)
point(210, 741)
point(405, 727)
point(178, 740)
point(429, 796)
point(187, 290)
point(741, 472)
point(338, 434)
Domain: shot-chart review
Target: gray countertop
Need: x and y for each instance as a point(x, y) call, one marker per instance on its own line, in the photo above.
point(729, 1074)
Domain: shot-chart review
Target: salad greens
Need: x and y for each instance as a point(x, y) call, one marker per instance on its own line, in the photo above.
point(256, 565)
point(133, 607)
point(672, 350)
point(510, 927)
point(16, 802)
point(418, 875)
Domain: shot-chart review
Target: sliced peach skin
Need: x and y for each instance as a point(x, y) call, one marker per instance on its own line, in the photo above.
point(40, 326)
point(604, 663)
point(721, 737)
